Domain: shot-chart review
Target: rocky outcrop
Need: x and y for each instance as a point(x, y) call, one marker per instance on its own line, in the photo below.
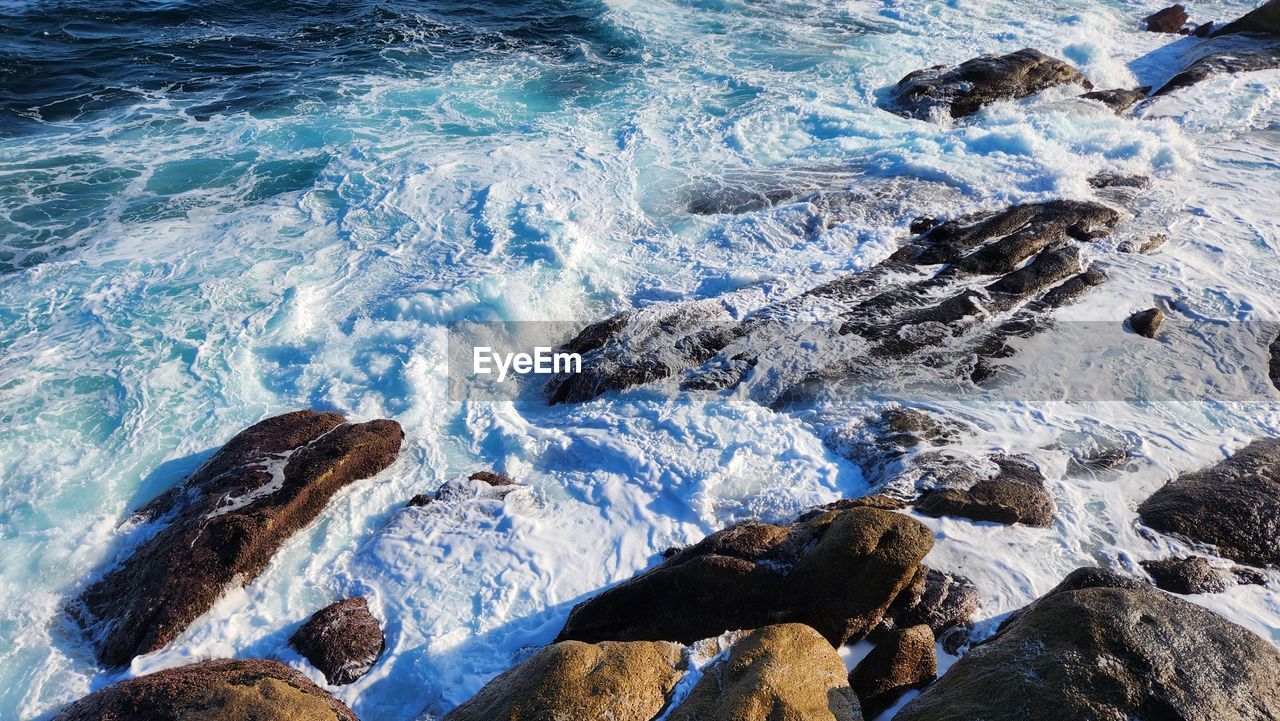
point(1263, 21)
point(1015, 495)
point(1234, 505)
point(941, 601)
point(1146, 246)
point(484, 484)
point(1103, 647)
point(967, 88)
point(1185, 575)
point(1225, 62)
point(222, 525)
point(785, 672)
point(1119, 99)
point(574, 680)
point(1170, 20)
point(343, 640)
point(837, 573)
point(239, 690)
point(1146, 323)
point(903, 661)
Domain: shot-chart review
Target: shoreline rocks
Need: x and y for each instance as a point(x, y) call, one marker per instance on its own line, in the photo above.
point(1185, 576)
point(1169, 20)
point(903, 661)
point(1146, 323)
point(343, 640)
point(1015, 495)
point(967, 88)
point(1264, 20)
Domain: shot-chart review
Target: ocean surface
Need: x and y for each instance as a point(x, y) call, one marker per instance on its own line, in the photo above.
point(212, 212)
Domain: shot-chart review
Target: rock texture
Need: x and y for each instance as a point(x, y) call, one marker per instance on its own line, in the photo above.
point(1185, 575)
point(239, 690)
point(967, 88)
point(1263, 21)
point(837, 573)
point(1234, 505)
point(574, 680)
point(935, 599)
point(1170, 20)
point(903, 661)
point(1119, 99)
point(1225, 62)
point(1146, 323)
point(785, 672)
point(343, 640)
point(1016, 495)
point(222, 525)
point(1102, 647)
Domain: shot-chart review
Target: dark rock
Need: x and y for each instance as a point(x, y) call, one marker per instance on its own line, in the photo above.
point(1104, 460)
point(1170, 20)
point(1119, 99)
point(1090, 650)
point(837, 573)
point(938, 600)
point(1016, 495)
point(923, 224)
point(785, 671)
point(1146, 322)
point(1112, 180)
point(225, 522)
point(1249, 576)
point(1224, 62)
point(903, 661)
point(1203, 30)
point(1265, 20)
point(422, 499)
point(1185, 575)
point(239, 690)
point(875, 500)
point(343, 640)
point(1234, 505)
point(1273, 362)
point(497, 480)
point(1146, 246)
point(573, 680)
point(968, 87)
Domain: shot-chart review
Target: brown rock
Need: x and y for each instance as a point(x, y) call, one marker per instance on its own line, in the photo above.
point(1016, 495)
point(1263, 21)
point(1146, 246)
point(903, 661)
point(1170, 20)
point(343, 640)
point(1119, 99)
point(972, 85)
point(938, 600)
point(1146, 322)
point(1185, 575)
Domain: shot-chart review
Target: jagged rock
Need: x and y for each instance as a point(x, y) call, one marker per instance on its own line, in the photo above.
point(239, 690)
point(1265, 20)
point(938, 600)
point(1170, 20)
point(1203, 30)
point(1016, 495)
point(1113, 180)
point(1102, 647)
point(1223, 62)
point(1185, 575)
point(1249, 576)
point(343, 640)
point(224, 523)
point(903, 661)
point(574, 680)
point(1273, 362)
point(784, 672)
point(1234, 505)
point(1119, 99)
point(837, 572)
point(1146, 323)
point(970, 86)
point(420, 500)
point(1146, 246)
point(497, 480)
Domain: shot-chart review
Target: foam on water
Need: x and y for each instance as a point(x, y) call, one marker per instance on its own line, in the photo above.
point(181, 274)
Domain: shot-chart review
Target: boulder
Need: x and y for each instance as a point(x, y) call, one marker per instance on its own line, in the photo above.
point(935, 599)
point(1145, 246)
point(239, 690)
point(221, 526)
point(967, 88)
point(574, 680)
point(1015, 495)
point(1234, 505)
point(1119, 99)
point(1225, 62)
point(1146, 323)
point(1170, 20)
point(1103, 647)
point(343, 640)
point(1263, 21)
point(837, 572)
point(1185, 575)
point(903, 661)
point(785, 672)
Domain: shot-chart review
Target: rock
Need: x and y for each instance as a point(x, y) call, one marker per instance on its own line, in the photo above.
point(938, 600)
point(420, 500)
point(343, 640)
point(1113, 180)
point(1273, 362)
point(1203, 30)
point(1224, 62)
point(1119, 99)
point(785, 672)
point(1263, 21)
point(1249, 576)
point(239, 690)
point(837, 572)
point(497, 480)
point(1016, 495)
point(574, 680)
point(972, 85)
point(222, 525)
point(1090, 650)
point(1146, 322)
point(875, 500)
point(1234, 505)
point(1170, 20)
point(1185, 575)
point(903, 661)
point(923, 224)
point(1146, 246)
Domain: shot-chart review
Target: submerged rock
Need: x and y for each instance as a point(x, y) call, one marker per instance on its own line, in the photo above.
point(1170, 20)
point(223, 524)
point(967, 88)
point(1185, 575)
point(237, 690)
point(1119, 99)
point(1016, 495)
point(1263, 21)
point(837, 573)
point(1145, 246)
point(1103, 647)
point(903, 661)
point(1234, 505)
point(343, 640)
point(1146, 323)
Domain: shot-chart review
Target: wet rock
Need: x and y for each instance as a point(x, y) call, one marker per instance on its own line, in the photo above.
point(1234, 505)
point(1225, 62)
point(967, 88)
point(1146, 246)
point(786, 671)
point(1016, 495)
point(1273, 362)
point(222, 525)
point(923, 224)
point(1119, 99)
point(1185, 575)
point(239, 690)
point(343, 640)
point(1249, 576)
point(903, 661)
point(1170, 20)
point(1113, 180)
point(1263, 21)
point(1203, 30)
point(1146, 322)
point(574, 680)
point(837, 573)
point(941, 601)
point(420, 500)
point(875, 500)
point(1093, 650)
point(497, 480)
point(1108, 459)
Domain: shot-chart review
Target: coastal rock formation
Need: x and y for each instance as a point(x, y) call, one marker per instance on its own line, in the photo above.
point(1263, 21)
point(237, 690)
point(1170, 20)
point(1119, 99)
point(1146, 323)
point(837, 573)
point(574, 680)
point(1224, 62)
point(967, 88)
point(1101, 647)
point(935, 599)
point(904, 660)
point(1185, 575)
point(786, 671)
point(222, 525)
point(1015, 495)
point(343, 640)
point(1234, 505)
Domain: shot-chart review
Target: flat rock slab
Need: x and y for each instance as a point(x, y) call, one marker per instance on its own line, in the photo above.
point(343, 640)
point(1225, 62)
point(967, 88)
point(222, 525)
